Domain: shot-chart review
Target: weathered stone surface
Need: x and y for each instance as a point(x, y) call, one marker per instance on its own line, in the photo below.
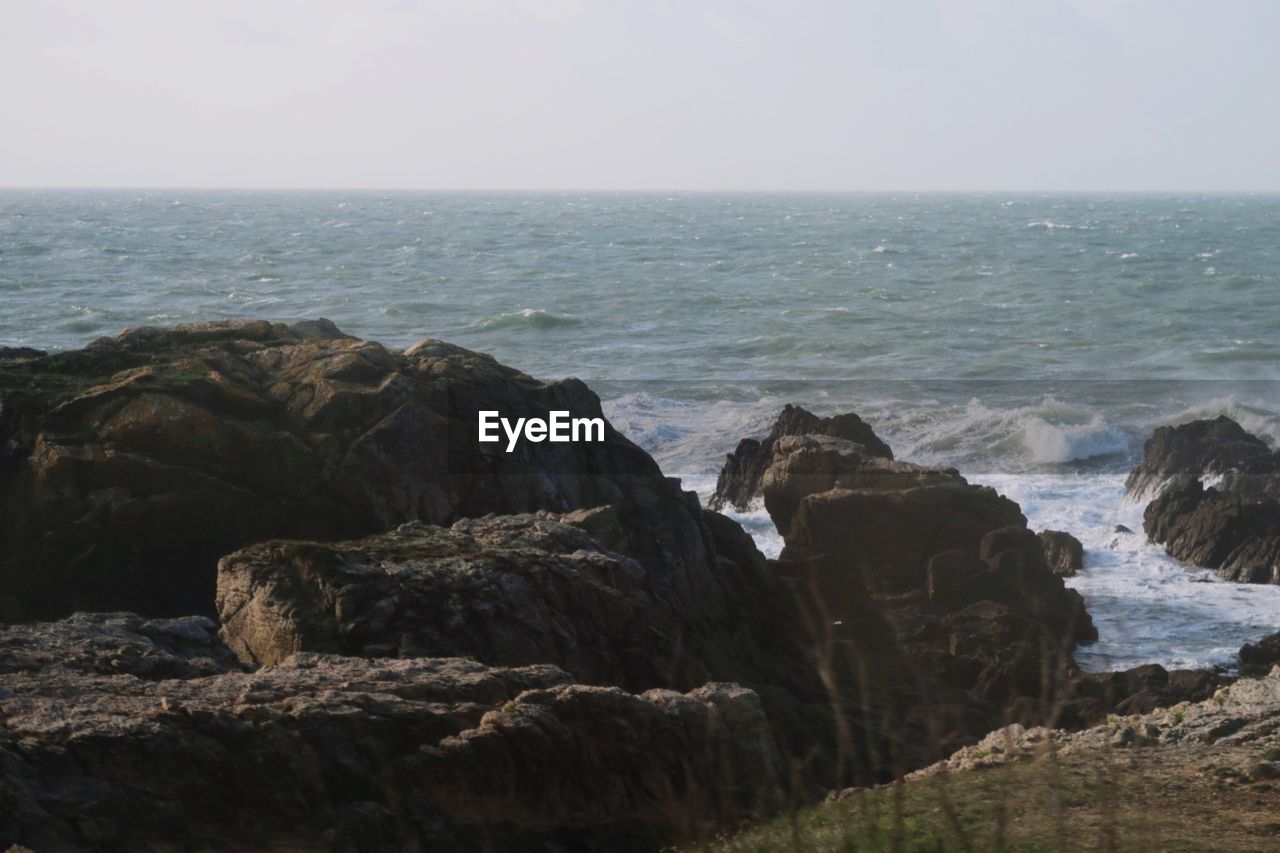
point(827, 498)
point(117, 643)
point(1239, 537)
point(509, 590)
point(1232, 525)
point(328, 752)
point(128, 468)
point(1062, 551)
point(1200, 449)
point(971, 603)
point(807, 465)
point(1257, 659)
point(739, 482)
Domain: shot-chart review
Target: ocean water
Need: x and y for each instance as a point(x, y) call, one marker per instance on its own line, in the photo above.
point(1032, 341)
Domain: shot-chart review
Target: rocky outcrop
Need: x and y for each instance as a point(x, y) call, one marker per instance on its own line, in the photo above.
point(117, 644)
point(1139, 690)
point(1231, 526)
point(951, 567)
point(1217, 529)
point(1203, 449)
point(740, 481)
point(128, 468)
point(1063, 552)
point(510, 590)
point(131, 467)
point(20, 353)
point(330, 752)
point(1258, 659)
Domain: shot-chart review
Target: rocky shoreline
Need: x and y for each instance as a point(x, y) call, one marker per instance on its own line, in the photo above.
point(264, 589)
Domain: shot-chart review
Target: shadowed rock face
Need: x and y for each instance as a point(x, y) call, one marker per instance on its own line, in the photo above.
point(510, 590)
point(950, 566)
point(128, 468)
point(1257, 659)
point(1218, 529)
point(335, 752)
point(1063, 552)
point(1199, 449)
point(1232, 526)
point(740, 481)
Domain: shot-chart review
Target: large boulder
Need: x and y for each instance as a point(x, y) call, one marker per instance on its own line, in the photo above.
point(1238, 537)
point(331, 752)
point(952, 567)
point(1063, 552)
point(1215, 498)
point(1203, 449)
point(510, 590)
point(740, 481)
point(1258, 658)
point(128, 468)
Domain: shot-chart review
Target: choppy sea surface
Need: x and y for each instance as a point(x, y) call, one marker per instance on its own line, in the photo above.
point(1032, 341)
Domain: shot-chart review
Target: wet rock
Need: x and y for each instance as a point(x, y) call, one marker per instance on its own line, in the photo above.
point(740, 483)
point(324, 752)
point(1257, 659)
point(1063, 552)
point(1199, 449)
point(1239, 537)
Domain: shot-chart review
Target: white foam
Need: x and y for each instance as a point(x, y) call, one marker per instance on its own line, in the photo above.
point(1148, 607)
point(1049, 442)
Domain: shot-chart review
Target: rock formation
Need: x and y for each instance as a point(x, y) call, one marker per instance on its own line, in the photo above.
point(1232, 526)
point(128, 468)
point(511, 590)
point(99, 750)
point(1062, 551)
point(1203, 449)
point(977, 626)
point(1258, 659)
point(739, 482)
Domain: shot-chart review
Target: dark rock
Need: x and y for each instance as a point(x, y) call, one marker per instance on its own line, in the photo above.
point(327, 752)
point(1236, 536)
point(808, 465)
point(508, 590)
point(20, 353)
point(128, 468)
point(950, 567)
point(1063, 552)
point(739, 482)
point(1257, 659)
point(1120, 528)
point(1199, 449)
point(1141, 690)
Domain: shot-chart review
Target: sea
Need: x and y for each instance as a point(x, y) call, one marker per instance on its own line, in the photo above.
point(1030, 340)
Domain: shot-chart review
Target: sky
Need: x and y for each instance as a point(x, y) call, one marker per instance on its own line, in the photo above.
point(734, 95)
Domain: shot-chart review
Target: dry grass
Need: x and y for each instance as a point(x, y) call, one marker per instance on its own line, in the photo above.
point(1140, 799)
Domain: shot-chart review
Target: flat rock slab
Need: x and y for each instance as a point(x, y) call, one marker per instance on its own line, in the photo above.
point(508, 590)
point(331, 752)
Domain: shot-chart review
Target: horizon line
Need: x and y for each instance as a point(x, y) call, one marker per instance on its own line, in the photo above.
point(620, 190)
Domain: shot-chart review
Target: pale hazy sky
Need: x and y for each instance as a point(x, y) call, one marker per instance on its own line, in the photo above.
point(625, 94)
